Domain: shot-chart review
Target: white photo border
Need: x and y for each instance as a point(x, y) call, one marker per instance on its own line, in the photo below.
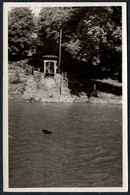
point(124, 188)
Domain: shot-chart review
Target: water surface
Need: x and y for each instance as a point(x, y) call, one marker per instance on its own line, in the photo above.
point(84, 149)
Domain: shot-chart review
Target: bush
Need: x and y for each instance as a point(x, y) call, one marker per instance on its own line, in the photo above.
point(13, 79)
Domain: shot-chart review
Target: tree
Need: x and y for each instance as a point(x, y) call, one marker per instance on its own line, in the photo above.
point(20, 29)
point(91, 35)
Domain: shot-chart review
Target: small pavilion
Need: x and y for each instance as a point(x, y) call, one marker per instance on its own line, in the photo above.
point(50, 64)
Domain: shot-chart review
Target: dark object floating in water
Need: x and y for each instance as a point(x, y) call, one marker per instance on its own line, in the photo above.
point(46, 131)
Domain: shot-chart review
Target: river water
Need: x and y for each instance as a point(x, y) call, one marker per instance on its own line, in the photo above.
point(84, 149)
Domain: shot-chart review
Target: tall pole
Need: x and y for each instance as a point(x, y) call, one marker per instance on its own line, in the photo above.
point(60, 48)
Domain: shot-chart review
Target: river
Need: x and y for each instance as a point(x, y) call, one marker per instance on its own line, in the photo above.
point(84, 149)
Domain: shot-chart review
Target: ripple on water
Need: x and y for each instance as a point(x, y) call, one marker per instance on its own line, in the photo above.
point(84, 149)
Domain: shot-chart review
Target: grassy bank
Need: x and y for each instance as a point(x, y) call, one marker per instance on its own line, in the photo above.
point(35, 88)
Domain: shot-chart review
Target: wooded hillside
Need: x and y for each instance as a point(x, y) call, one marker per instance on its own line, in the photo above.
point(91, 39)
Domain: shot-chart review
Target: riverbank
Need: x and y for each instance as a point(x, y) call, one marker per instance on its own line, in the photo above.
point(112, 100)
point(35, 88)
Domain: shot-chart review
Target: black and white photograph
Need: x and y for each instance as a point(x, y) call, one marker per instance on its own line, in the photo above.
point(65, 97)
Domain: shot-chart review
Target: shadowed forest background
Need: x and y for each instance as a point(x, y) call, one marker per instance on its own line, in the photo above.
point(91, 42)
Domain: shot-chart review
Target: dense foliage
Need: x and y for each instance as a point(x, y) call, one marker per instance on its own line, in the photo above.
point(20, 29)
point(91, 38)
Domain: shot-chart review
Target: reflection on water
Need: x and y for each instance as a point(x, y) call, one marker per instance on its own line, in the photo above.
point(84, 149)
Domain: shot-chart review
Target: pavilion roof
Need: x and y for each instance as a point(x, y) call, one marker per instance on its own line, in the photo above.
point(50, 57)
